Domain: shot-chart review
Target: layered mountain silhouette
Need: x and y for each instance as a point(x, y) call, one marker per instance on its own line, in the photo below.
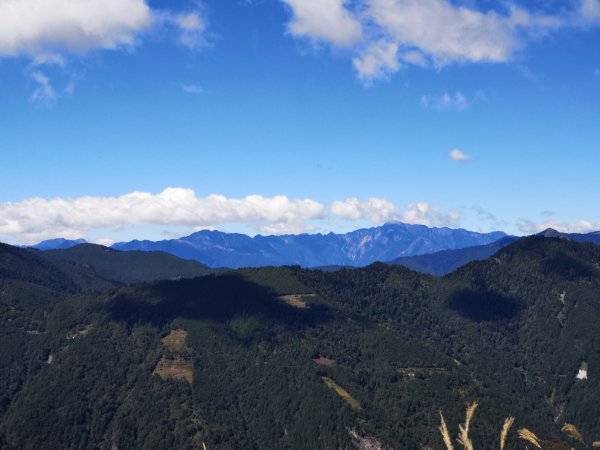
point(59, 243)
point(593, 237)
point(445, 261)
point(284, 357)
point(357, 248)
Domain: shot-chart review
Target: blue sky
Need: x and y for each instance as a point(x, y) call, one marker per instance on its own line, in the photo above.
point(124, 119)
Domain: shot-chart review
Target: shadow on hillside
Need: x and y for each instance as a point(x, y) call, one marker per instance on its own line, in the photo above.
point(484, 306)
point(567, 267)
point(219, 298)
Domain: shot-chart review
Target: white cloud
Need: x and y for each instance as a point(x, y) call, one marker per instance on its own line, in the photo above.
point(445, 31)
point(49, 27)
point(192, 28)
point(379, 33)
point(580, 226)
point(414, 57)
point(326, 20)
point(458, 155)
point(379, 210)
point(47, 30)
point(446, 102)
point(43, 92)
point(107, 242)
point(379, 59)
point(36, 219)
point(589, 12)
point(426, 214)
point(192, 89)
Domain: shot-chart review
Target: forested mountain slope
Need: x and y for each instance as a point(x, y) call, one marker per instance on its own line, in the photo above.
point(128, 267)
point(290, 358)
point(446, 261)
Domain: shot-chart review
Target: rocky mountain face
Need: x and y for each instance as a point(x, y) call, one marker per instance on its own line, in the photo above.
point(357, 248)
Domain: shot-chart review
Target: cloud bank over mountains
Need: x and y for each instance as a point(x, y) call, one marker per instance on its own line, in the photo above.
point(36, 219)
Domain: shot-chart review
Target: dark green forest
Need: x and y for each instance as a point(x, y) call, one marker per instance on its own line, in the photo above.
point(288, 358)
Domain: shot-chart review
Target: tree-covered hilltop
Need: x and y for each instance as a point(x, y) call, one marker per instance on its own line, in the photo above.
point(127, 267)
point(291, 358)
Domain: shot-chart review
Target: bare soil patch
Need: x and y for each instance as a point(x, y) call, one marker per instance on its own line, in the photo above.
point(175, 369)
point(296, 300)
point(322, 361)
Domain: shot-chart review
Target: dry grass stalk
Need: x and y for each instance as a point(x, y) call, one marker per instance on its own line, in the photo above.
point(572, 431)
point(528, 436)
point(445, 433)
point(508, 423)
point(463, 435)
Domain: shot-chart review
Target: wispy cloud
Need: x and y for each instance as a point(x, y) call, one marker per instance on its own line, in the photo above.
point(44, 91)
point(448, 102)
point(191, 88)
point(458, 155)
point(379, 60)
point(490, 218)
point(192, 27)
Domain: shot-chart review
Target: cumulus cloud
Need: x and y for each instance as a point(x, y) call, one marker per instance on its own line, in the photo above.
point(445, 31)
point(429, 32)
point(46, 30)
point(36, 219)
point(326, 20)
point(45, 27)
point(446, 102)
point(580, 226)
point(458, 155)
point(379, 210)
point(374, 209)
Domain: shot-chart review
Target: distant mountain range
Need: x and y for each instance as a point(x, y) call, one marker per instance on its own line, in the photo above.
point(357, 248)
point(593, 237)
point(59, 243)
point(436, 251)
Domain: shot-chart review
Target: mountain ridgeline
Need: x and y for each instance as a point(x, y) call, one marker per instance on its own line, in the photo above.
point(357, 248)
point(127, 267)
point(446, 261)
point(289, 358)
